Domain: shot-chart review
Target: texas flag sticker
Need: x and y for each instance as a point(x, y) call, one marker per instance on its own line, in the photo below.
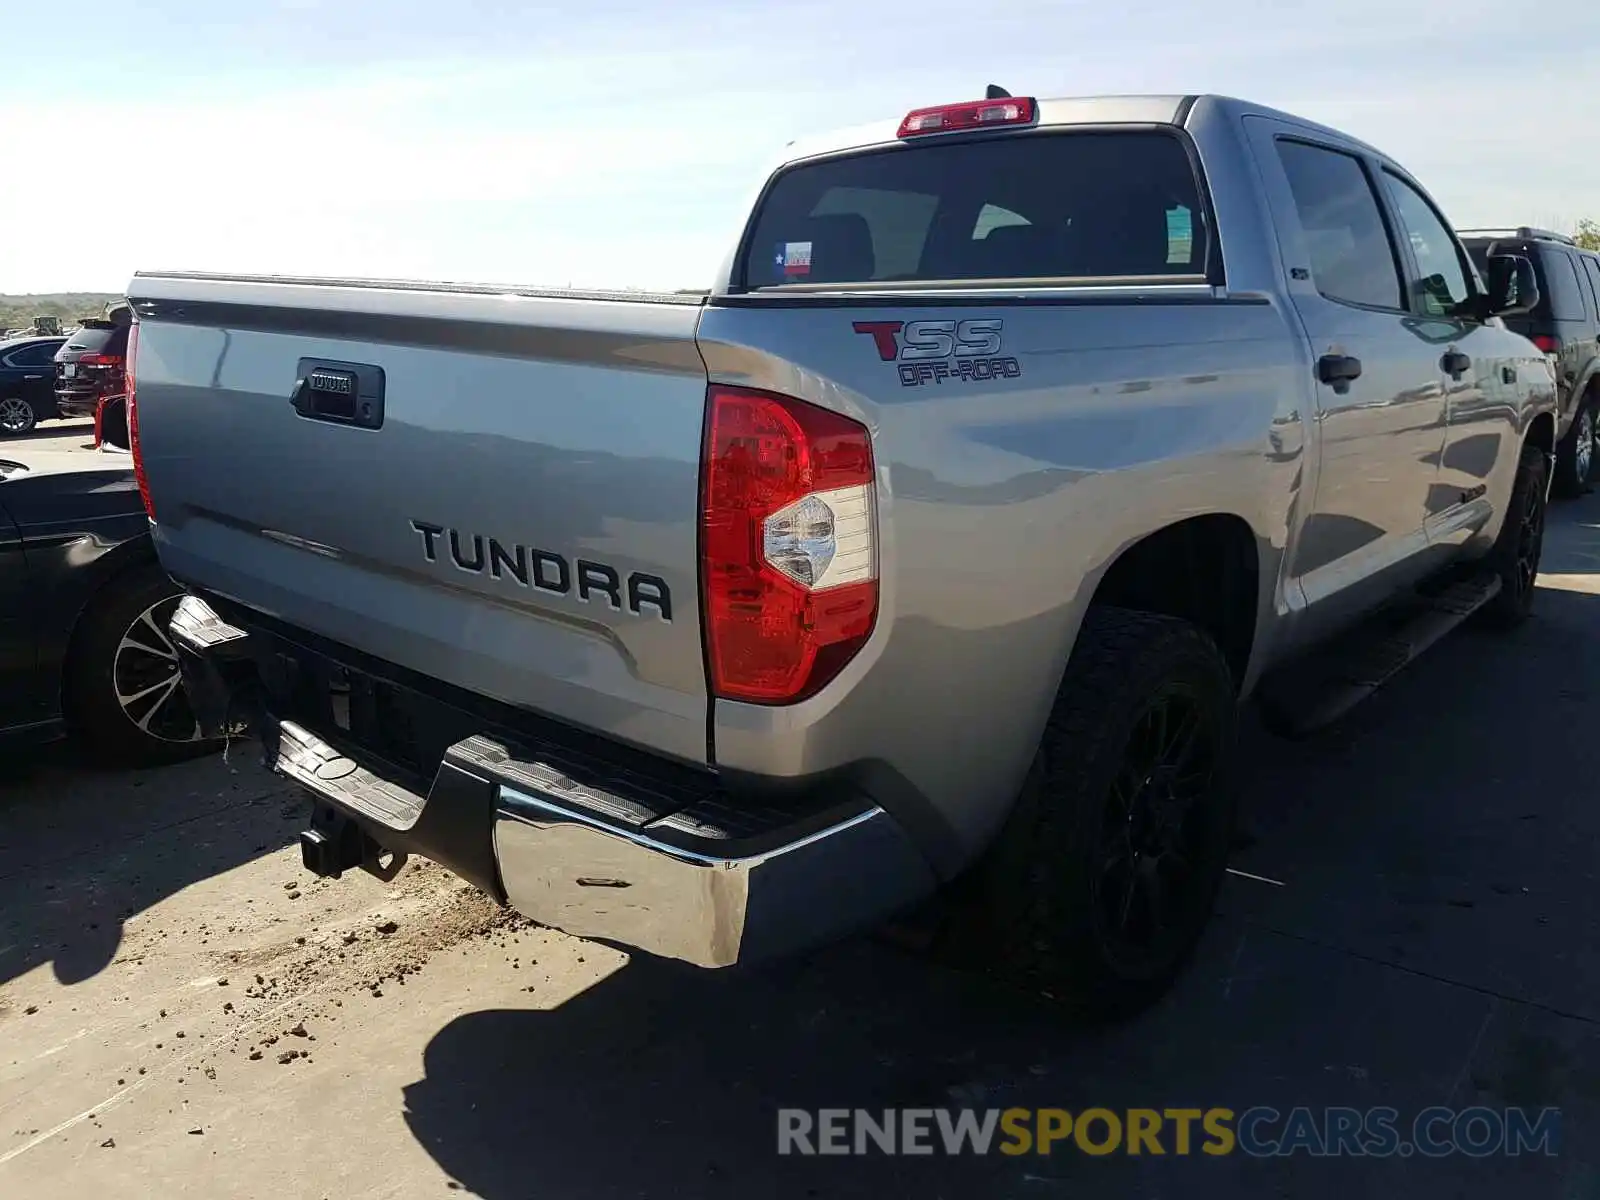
point(793, 259)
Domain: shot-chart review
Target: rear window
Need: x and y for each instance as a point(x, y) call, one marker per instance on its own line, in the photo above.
point(1591, 268)
point(1033, 206)
point(1561, 282)
point(100, 337)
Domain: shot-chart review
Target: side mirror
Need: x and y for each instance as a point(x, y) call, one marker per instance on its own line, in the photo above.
point(1513, 287)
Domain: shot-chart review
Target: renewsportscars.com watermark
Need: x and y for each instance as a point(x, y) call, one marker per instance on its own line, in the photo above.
point(1259, 1132)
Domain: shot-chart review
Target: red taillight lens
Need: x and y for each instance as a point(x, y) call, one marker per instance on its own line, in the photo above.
point(788, 556)
point(101, 360)
point(980, 114)
point(1546, 343)
point(133, 424)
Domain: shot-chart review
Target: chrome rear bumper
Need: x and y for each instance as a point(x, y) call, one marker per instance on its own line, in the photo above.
point(703, 879)
point(567, 870)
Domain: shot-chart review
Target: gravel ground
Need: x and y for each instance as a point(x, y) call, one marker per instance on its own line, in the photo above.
point(184, 1012)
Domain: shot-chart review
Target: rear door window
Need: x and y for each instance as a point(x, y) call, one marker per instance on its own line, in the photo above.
point(1038, 206)
point(37, 355)
point(1591, 268)
point(1561, 279)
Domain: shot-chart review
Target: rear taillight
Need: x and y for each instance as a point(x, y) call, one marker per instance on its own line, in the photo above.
point(1546, 343)
point(133, 424)
point(102, 360)
point(789, 565)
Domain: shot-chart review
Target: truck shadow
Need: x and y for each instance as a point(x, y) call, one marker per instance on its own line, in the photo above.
point(662, 1081)
point(659, 1083)
point(83, 849)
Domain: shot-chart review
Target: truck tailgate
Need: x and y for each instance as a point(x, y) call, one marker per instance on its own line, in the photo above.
point(521, 521)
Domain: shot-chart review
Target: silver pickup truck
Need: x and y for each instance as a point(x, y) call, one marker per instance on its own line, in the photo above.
point(1015, 443)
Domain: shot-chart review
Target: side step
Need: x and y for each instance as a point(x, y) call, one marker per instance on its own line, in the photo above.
point(1311, 694)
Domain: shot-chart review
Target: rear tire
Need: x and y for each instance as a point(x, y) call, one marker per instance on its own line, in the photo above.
point(1575, 455)
point(1520, 547)
point(1105, 877)
point(121, 690)
point(17, 416)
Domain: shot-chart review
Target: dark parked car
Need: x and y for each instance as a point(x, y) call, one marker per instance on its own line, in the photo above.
point(90, 366)
point(27, 374)
point(84, 608)
point(1566, 327)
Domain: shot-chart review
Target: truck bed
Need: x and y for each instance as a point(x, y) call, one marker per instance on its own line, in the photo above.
point(692, 297)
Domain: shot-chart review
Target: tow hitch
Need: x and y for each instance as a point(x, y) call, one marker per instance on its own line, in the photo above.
point(335, 843)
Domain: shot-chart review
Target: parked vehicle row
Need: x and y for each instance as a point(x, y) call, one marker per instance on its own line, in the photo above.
point(1015, 445)
point(45, 378)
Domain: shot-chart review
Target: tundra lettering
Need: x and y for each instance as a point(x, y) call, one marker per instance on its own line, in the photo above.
point(550, 571)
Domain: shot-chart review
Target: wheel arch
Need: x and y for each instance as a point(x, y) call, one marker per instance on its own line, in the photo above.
point(79, 595)
point(1205, 569)
point(1587, 384)
point(1542, 432)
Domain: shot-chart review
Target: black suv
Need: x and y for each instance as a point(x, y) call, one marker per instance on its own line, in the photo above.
point(90, 366)
point(1566, 327)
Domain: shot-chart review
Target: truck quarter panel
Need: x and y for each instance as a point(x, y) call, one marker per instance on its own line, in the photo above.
point(1002, 503)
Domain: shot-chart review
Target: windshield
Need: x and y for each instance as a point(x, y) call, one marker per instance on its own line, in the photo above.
point(1075, 205)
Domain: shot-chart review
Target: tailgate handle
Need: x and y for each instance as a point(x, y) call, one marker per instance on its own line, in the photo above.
point(341, 393)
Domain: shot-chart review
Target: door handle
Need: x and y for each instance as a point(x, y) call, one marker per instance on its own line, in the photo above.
point(339, 392)
point(1455, 364)
point(1338, 371)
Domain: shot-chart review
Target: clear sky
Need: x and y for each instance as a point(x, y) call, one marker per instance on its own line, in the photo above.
point(616, 144)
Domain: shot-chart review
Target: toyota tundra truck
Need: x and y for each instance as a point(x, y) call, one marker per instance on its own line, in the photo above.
point(1013, 446)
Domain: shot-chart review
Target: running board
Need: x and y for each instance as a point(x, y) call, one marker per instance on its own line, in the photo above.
point(1311, 694)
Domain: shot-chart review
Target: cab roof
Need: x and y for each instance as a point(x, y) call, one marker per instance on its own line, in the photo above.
point(1155, 109)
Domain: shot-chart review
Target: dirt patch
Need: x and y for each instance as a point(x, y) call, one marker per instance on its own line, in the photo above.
point(297, 985)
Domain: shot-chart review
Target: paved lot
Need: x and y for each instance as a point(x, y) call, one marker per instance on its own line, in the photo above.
point(184, 1013)
point(51, 438)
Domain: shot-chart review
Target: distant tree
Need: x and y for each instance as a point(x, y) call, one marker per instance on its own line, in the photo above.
point(1587, 234)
